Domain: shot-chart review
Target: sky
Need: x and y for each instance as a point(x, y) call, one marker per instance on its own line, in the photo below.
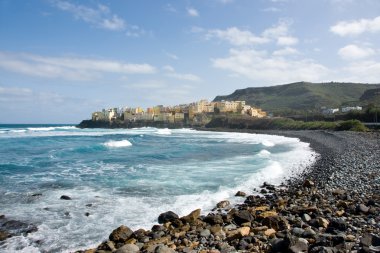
point(61, 60)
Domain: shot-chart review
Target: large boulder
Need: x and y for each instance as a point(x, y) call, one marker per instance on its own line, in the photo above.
point(243, 216)
point(121, 234)
point(128, 248)
point(167, 217)
point(213, 219)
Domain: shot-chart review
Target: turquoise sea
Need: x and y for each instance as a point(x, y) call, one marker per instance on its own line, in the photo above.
point(127, 176)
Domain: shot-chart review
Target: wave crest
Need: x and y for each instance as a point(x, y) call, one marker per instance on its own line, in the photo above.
point(118, 144)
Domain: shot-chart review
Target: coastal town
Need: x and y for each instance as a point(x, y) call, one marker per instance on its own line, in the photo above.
point(195, 112)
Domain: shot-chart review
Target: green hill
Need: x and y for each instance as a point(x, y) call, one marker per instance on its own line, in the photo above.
point(301, 96)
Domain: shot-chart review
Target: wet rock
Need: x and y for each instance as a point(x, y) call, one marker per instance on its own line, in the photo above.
point(242, 217)
point(240, 194)
point(192, 217)
point(213, 219)
point(4, 235)
point(223, 204)
point(65, 197)
point(128, 248)
point(36, 194)
point(167, 217)
point(121, 234)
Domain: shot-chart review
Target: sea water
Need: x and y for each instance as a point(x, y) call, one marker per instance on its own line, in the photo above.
point(127, 176)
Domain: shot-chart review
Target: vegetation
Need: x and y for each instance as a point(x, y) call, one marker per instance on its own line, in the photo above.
point(296, 98)
point(235, 122)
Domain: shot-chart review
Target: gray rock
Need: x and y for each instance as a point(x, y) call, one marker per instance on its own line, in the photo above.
point(121, 234)
point(164, 249)
point(128, 248)
point(205, 233)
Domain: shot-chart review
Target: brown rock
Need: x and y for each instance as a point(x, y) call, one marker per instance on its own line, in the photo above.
point(223, 204)
point(121, 234)
point(269, 232)
point(215, 229)
point(323, 222)
point(193, 216)
point(339, 213)
point(276, 222)
point(4, 235)
point(267, 214)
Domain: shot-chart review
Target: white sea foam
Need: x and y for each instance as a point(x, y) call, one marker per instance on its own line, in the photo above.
point(118, 144)
point(264, 153)
point(164, 131)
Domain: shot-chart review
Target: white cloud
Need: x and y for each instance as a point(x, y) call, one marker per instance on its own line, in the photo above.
point(354, 52)
point(271, 9)
point(236, 36)
point(170, 8)
point(70, 68)
point(192, 12)
point(149, 84)
point(101, 16)
point(185, 77)
point(168, 68)
point(356, 27)
point(279, 30)
point(286, 51)
point(258, 66)
point(287, 41)
point(22, 95)
point(362, 71)
point(171, 56)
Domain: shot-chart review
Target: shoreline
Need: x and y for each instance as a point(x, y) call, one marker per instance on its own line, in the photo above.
point(333, 206)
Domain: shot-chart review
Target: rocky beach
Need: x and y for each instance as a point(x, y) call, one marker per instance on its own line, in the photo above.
point(332, 207)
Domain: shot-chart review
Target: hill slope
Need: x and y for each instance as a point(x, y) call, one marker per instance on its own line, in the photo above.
point(300, 96)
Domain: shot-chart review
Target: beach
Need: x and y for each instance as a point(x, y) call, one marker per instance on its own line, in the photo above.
point(333, 206)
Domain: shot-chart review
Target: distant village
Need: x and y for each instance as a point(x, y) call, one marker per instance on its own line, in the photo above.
point(196, 112)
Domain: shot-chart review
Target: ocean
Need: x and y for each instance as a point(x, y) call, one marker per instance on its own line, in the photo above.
point(127, 176)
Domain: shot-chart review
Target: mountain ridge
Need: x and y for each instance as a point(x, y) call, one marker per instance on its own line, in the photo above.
point(305, 96)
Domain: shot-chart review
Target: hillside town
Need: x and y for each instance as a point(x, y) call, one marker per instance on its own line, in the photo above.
point(184, 113)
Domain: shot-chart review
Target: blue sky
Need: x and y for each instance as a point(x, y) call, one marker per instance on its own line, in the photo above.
point(62, 59)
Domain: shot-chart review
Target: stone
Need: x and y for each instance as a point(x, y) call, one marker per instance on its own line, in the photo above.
point(278, 245)
point(242, 217)
point(215, 229)
point(240, 194)
point(4, 235)
point(301, 245)
point(336, 224)
point(128, 248)
point(205, 233)
point(269, 232)
point(323, 222)
point(167, 217)
point(65, 197)
point(362, 208)
point(213, 219)
point(339, 213)
point(121, 234)
point(192, 217)
point(308, 183)
point(164, 249)
point(305, 217)
point(223, 204)
point(267, 214)
point(262, 208)
point(276, 222)
point(244, 231)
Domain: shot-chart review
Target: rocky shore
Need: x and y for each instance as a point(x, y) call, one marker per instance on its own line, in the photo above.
point(334, 206)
